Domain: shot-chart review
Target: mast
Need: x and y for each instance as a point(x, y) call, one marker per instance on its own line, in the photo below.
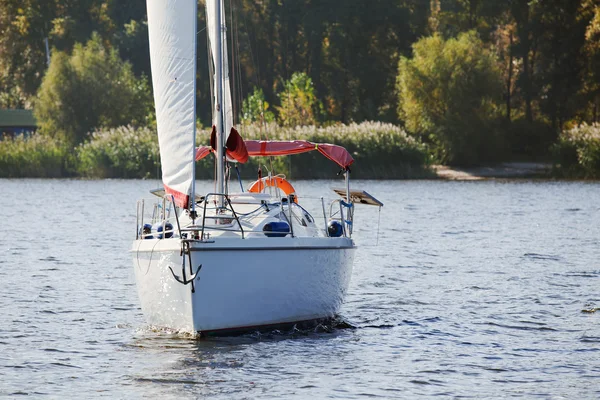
point(219, 106)
point(193, 189)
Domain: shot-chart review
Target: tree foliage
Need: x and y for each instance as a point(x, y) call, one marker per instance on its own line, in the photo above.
point(88, 89)
point(548, 53)
point(350, 50)
point(450, 91)
point(299, 104)
point(256, 109)
point(25, 24)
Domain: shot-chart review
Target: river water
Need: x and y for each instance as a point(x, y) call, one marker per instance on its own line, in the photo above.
point(466, 289)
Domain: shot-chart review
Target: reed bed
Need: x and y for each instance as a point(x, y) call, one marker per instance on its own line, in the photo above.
point(381, 151)
point(33, 157)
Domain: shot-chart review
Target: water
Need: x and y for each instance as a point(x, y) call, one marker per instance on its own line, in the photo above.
point(475, 290)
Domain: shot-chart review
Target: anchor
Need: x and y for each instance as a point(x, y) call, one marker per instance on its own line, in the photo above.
point(185, 248)
point(186, 281)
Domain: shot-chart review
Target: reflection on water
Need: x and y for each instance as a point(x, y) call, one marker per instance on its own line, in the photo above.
point(475, 289)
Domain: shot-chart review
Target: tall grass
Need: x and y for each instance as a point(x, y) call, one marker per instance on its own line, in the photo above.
point(33, 157)
point(577, 152)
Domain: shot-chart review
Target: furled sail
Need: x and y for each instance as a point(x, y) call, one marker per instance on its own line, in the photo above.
point(172, 33)
point(212, 33)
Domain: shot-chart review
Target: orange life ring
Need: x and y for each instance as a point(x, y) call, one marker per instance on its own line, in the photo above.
point(277, 181)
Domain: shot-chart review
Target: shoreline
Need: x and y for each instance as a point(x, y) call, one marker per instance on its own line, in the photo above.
point(508, 170)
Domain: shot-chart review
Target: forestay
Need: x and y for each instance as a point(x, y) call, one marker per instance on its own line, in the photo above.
point(172, 35)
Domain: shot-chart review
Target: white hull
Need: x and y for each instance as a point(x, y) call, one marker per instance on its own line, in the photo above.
point(243, 283)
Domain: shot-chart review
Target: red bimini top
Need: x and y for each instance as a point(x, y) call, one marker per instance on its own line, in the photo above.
point(256, 148)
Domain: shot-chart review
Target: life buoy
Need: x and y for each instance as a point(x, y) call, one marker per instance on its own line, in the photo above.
point(276, 181)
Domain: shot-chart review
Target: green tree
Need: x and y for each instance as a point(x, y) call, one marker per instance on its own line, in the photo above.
point(25, 24)
point(299, 104)
point(89, 89)
point(256, 109)
point(449, 93)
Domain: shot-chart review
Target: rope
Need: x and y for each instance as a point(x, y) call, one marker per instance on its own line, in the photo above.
point(137, 254)
point(239, 178)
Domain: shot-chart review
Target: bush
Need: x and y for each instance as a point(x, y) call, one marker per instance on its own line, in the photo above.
point(577, 151)
point(88, 89)
point(449, 94)
point(33, 157)
point(123, 152)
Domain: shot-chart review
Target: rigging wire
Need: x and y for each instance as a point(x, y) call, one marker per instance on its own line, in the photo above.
point(211, 84)
point(255, 65)
point(235, 22)
point(227, 176)
point(236, 76)
point(233, 61)
point(378, 224)
point(215, 180)
point(287, 90)
point(239, 63)
point(211, 76)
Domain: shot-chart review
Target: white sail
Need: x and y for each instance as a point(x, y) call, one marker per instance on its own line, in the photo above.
point(212, 33)
point(172, 34)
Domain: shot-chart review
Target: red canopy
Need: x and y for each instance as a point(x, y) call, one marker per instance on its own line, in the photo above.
point(236, 149)
point(335, 153)
point(203, 151)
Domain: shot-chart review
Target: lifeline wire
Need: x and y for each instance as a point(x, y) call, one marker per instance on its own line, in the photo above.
point(378, 224)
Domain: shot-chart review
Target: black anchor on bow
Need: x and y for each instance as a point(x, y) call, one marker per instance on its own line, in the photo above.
point(185, 249)
point(184, 280)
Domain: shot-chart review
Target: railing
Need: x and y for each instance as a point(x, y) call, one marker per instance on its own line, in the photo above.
point(225, 218)
point(160, 213)
point(345, 220)
point(220, 210)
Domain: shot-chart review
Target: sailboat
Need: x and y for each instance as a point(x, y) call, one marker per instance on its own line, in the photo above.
point(226, 262)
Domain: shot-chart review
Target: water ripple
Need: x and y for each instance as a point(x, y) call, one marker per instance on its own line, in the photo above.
point(478, 290)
